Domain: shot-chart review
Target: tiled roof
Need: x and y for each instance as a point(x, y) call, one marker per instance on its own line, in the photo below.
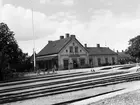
point(123, 55)
point(54, 47)
point(100, 51)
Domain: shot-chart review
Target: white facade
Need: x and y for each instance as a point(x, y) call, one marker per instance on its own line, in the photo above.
point(104, 59)
point(73, 57)
point(70, 53)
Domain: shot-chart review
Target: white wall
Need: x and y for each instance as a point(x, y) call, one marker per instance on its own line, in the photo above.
point(102, 57)
point(65, 55)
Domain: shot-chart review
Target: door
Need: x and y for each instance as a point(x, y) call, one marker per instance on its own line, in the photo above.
point(75, 64)
point(66, 63)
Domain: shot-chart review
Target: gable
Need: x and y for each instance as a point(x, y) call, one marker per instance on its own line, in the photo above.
point(73, 43)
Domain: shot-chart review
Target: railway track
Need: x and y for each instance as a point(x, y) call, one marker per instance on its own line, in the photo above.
point(59, 81)
point(44, 77)
point(34, 78)
point(7, 97)
point(125, 79)
point(84, 98)
point(41, 78)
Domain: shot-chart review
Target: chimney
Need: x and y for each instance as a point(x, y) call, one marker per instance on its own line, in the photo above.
point(72, 36)
point(85, 45)
point(122, 51)
point(98, 45)
point(49, 41)
point(67, 35)
point(61, 37)
point(117, 51)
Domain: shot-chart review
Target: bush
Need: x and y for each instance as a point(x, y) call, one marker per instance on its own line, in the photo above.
point(9, 74)
point(22, 67)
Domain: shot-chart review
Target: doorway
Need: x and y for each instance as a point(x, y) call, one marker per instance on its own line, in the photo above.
point(75, 64)
point(66, 63)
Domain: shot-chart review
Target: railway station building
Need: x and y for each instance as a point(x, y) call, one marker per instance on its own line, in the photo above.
point(101, 56)
point(124, 58)
point(68, 53)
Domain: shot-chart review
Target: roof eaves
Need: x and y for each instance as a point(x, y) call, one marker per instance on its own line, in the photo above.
point(46, 54)
point(101, 54)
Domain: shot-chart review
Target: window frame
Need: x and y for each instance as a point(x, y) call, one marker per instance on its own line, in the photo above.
point(99, 61)
point(82, 59)
point(76, 49)
point(113, 60)
point(106, 60)
point(71, 49)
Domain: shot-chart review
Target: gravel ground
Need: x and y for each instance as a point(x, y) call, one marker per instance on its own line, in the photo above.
point(79, 94)
point(131, 98)
point(49, 100)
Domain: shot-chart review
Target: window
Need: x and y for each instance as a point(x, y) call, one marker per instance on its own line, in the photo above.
point(71, 49)
point(73, 44)
point(82, 61)
point(80, 50)
point(106, 60)
point(76, 49)
point(90, 61)
point(113, 60)
point(99, 61)
point(66, 50)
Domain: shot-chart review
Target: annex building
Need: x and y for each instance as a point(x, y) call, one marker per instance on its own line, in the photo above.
point(68, 53)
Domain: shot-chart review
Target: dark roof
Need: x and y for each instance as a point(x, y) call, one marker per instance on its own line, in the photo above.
point(54, 47)
point(123, 55)
point(100, 51)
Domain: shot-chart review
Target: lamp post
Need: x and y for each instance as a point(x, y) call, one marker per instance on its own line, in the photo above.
point(1, 10)
point(34, 56)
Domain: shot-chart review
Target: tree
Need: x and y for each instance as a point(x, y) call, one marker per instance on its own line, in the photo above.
point(134, 47)
point(9, 50)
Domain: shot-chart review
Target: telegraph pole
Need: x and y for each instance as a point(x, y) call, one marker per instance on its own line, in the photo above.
point(1, 5)
point(34, 56)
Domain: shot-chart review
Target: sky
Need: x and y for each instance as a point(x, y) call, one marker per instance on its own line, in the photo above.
point(110, 23)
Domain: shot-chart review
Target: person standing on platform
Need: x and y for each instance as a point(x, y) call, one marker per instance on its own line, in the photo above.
point(54, 69)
